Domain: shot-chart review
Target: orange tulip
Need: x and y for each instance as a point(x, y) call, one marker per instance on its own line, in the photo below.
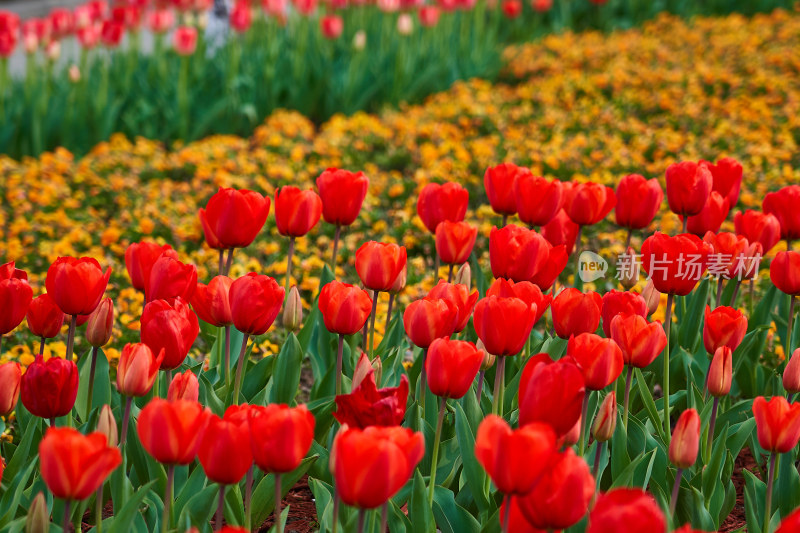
point(280, 436)
point(184, 387)
point(171, 431)
point(379, 264)
point(777, 423)
point(137, 369)
point(685, 442)
point(10, 377)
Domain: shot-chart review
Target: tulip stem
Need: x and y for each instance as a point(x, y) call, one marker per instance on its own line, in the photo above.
point(423, 381)
point(384, 516)
point(436, 440)
point(52, 421)
point(339, 353)
point(506, 514)
point(221, 262)
point(41, 346)
point(335, 510)
point(770, 483)
point(788, 353)
point(674, 499)
point(597, 455)
point(628, 240)
point(168, 498)
point(228, 356)
point(625, 404)
point(335, 248)
point(237, 386)
point(248, 496)
point(435, 268)
point(126, 417)
point(499, 382)
point(220, 508)
point(505, 220)
point(67, 505)
point(287, 282)
point(389, 313)
point(711, 424)
point(479, 390)
point(450, 274)
point(735, 293)
point(73, 322)
point(91, 381)
point(278, 501)
point(361, 519)
point(584, 416)
point(685, 222)
point(667, 328)
point(98, 510)
point(719, 291)
point(375, 296)
point(229, 262)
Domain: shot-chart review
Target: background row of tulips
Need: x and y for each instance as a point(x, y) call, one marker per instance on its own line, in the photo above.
point(477, 410)
point(318, 58)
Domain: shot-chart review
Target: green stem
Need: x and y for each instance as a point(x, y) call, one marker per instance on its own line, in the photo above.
point(228, 356)
point(770, 483)
point(436, 440)
point(788, 352)
point(506, 514)
point(91, 381)
point(98, 510)
point(584, 424)
point(361, 516)
point(67, 505)
point(335, 248)
point(167, 498)
point(711, 424)
point(675, 488)
point(339, 353)
point(628, 380)
point(287, 281)
point(73, 322)
point(499, 382)
point(372, 326)
point(667, 328)
point(248, 496)
point(278, 500)
point(220, 508)
point(237, 386)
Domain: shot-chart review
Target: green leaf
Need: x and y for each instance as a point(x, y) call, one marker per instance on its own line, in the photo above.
point(286, 372)
point(755, 492)
point(123, 518)
point(418, 507)
point(691, 324)
point(12, 496)
point(475, 475)
point(451, 517)
point(649, 404)
point(101, 394)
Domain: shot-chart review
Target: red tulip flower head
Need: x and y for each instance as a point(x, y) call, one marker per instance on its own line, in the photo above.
point(599, 359)
point(784, 271)
point(44, 317)
point(345, 308)
point(232, 218)
point(49, 388)
point(758, 227)
point(726, 178)
point(724, 326)
point(171, 431)
point(212, 302)
point(184, 40)
point(458, 295)
point(783, 205)
point(76, 285)
point(675, 264)
point(10, 377)
point(685, 442)
point(442, 203)
point(169, 326)
point(638, 201)
point(556, 261)
point(720, 373)
point(499, 182)
point(777, 423)
point(790, 524)
point(342, 194)
point(517, 253)
point(280, 436)
point(733, 256)
point(296, 211)
point(575, 312)
point(140, 258)
point(711, 217)
point(15, 297)
point(621, 302)
point(587, 204)
point(639, 340)
point(525, 291)
point(255, 302)
point(137, 369)
point(224, 450)
point(561, 230)
point(184, 386)
point(688, 187)
point(625, 510)
point(451, 367)
point(169, 278)
point(367, 405)
point(379, 264)
point(454, 241)
point(241, 17)
point(332, 26)
point(551, 392)
point(503, 324)
point(538, 200)
point(428, 319)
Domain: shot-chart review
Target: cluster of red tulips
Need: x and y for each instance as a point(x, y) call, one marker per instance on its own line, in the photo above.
point(378, 444)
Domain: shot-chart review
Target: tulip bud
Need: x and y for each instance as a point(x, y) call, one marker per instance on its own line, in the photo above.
point(488, 359)
point(74, 74)
point(791, 374)
point(293, 311)
point(400, 281)
point(38, 520)
point(720, 373)
point(572, 436)
point(652, 297)
point(53, 50)
point(405, 24)
point(360, 40)
point(184, 387)
point(100, 324)
point(685, 441)
point(629, 276)
point(606, 421)
point(464, 276)
point(107, 425)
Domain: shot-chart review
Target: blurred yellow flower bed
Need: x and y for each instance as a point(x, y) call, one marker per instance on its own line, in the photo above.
point(573, 106)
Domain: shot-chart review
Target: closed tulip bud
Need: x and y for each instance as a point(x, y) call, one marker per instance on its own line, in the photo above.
point(44, 317)
point(606, 421)
point(48, 389)
point(724, 326)
point(626, 510)
point(171, 431)
point(755, 226)
point(451, 367)
point(76, 285)
point(777, 423)
point(296, 210)
point(538, 199)
point(359, 43)
point(628, 277)
point(137, 369)
point(232, 218)
point(638, 201)
point(499, 182)
point(140, 258)
point(169, 278)
point(464, 276)
point(783, 205)
point(10, 377)
point(280, 436)
point(53, 50)
point(184, 40)
point(640, 341)
point(720, 373)
point(224, 451)
point(439, 203)
point(688, 187)
point(345, 308)
point(293, 312)
point(551, 392)
point(791, 374)
point(454, 241)
point(503, 324)
point(488, 359)
point(107, 425)
point(685, 442)
point(100, 324)
point(184, 386)
point(651, 296)
point(331, 26)
point(517, 253)
point(38, 520)
point(428, 319)
point(74, 74)
point(575, 312)
point(405, 24)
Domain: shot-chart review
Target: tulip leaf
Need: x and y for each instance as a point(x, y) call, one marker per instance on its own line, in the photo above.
point(711, 472)
point(286, 371)
point(124, 517)
point(627, 477)
point(323, 502)
point(398, 520)
point(22, 454)
point(201, 506)
point(755, 492)
point(787, 488)
point(263, 499)
point(12, 496)
point(690, 324)
point(256, 376)
point(620, 460)
point(451, 517)
point(194, 484)
point(418, 506)
point(649, 404)
point(102, 384)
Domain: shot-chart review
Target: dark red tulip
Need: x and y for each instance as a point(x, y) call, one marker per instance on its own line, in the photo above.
point(169, 278)
point(296, 210)
point(562, 495)
point(517, 253)
point(454, 241)
point(171, 431)
point(589, 203)
point(711, 217)
point(460, 297)
point(139, 260)
point(688, 187)
point(514, 459)
point(342, 194)
point(440, 203)
point(255, 303)
point(624, 510)
point(538, 199)
point(48, 388)
point(171, 326)
point(76, 285)
point(345, 308)
point(280, 436)
point(428, 319)
point(784, 271)
point(556, 261)
point(232, 218)
point(758, 227)
point(525, 291)
point(367, 405)
point(599, 359)
point(551, 392)
point(724, 326)
point(638, 201)
point(15, 297)
point(503, 324)
point(616, 302)
point(212, 302)
point(639, 340)
point(499, 182)
point(777, 423)
point(561, 230)
point(225, 451)
point(675, 264)
point(379, 264)
point(451, 367)
point(726, 178)
point(575, 312)
point(783, 205)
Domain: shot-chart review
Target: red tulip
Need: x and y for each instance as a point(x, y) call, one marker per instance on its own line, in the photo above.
point(429, 16)
point(48, 389)
point(575, 312)
point(563, 494)
point(458, 295)
point(296, 211)
point(791, 374)
point(137, 369)
point(517, 253)
point(499, 183)
point(44, 317)
point(76, 285)
point(10, 377)
point(454, 241)
point(783, 205)
point(675, 264)
point(159, 21)
point(514, 459)
point(100, 324)
point(332, 26)
point(241, 16)
point(74, 466)
point(255, 302)
point(624, 510)
point(733, 256)
point(367, 405)
point(169, 278)
point(538, 200)
point(685, 442)
point(638, 201)
point(184, 386)
point(688, 187)
point(184, 40)
point(784, 271)
point(639, 340)
point(379, 264)
point(517, 523)
point(589, 203)
point(511, 8)
point(525, 291)
point(599, 359)
point(451, 367)
point(711, 217)
point(342, 194)
point(111, 33)
point(140, 258)
point(428, 319)
point(224, 450)
point(724, 326)
point(232, 218)
point(720, 373)
point(212, 303)
point(561, 230)
point(551, 392)
point(280, 436)
point(15, 297)
point(503, 324)
point(171, 327)
point(171, 431)
point(777, 423)
point(758, 227)
point(790, 524)
point(440, 203)
point(621, 302)
point(370, 465)
point(605, 423)
point(726, 178)
point(556, 261)
point(345, 308)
